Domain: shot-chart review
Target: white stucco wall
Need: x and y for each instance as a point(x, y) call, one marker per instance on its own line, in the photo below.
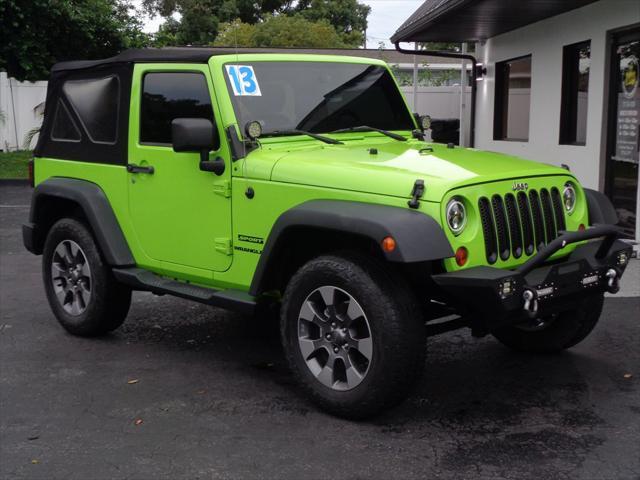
point(544, 41)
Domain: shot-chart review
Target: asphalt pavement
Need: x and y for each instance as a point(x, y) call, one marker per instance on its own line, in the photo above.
point(187, 391)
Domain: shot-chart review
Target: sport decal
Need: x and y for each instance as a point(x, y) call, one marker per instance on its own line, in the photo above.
point(243, 80)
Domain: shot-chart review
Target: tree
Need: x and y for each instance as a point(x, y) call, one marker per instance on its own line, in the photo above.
point(281, 31)
point(202, 20)
point(348, 17)
point(38, 33)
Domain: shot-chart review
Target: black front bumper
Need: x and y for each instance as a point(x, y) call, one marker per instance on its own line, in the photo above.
point(494, 297)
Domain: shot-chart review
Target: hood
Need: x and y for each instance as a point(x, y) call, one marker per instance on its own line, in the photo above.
point(396, 166)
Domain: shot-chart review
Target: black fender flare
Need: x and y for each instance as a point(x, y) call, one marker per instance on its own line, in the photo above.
point(419, 238)
point(601, 210)
point(93, 202)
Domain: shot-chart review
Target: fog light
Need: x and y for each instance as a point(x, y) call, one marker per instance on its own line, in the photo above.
point(462, 255)
point(622, 259)
point(506, 288)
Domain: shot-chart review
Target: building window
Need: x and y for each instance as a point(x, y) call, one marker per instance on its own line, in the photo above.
point(576, 63)
point(512, 100)
point(171, 95)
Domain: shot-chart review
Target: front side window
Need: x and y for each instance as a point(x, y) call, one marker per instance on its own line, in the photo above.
point(512, 100)
point(576, 63)
point(170, 95)
point(318, 97)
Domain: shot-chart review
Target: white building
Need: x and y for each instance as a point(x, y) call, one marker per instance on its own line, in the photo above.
point(561, 83)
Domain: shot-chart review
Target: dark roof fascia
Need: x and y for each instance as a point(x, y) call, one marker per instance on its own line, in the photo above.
point(417, 22)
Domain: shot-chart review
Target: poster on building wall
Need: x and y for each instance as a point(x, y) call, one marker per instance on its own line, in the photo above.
point(628, 116)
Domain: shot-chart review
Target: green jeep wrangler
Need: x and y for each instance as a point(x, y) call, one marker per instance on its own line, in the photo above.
point(304, 183)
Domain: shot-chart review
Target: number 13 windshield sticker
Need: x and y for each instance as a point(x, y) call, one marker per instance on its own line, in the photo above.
point(243, 80)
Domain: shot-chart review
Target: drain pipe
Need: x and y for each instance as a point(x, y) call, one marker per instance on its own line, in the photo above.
point(474, 87)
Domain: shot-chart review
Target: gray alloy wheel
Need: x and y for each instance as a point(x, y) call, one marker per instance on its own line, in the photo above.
point(335, 338)
point(71, 277)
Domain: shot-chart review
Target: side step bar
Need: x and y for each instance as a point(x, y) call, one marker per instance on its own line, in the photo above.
point(144, 280)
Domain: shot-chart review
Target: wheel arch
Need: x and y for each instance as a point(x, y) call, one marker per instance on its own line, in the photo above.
point(57, 197)
point(331, 225)
point(601, 210)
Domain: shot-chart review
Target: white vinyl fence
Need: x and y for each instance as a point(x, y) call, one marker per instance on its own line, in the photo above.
point(440, 103)
point(19, 103)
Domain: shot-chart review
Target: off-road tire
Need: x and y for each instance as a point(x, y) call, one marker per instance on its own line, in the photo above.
point(397, 332)
point(109, 300)
point(564, 331)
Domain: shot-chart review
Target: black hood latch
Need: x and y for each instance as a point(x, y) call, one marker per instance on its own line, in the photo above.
point(416, 194)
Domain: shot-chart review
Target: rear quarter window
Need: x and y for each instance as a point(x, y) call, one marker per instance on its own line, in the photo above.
point(64, 128)
point(95, 102)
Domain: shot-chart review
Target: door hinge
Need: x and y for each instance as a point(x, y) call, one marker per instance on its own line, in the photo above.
point(224, 246)
point(222, 188)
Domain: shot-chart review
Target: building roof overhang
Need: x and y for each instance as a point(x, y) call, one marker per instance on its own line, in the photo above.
point(477, 20)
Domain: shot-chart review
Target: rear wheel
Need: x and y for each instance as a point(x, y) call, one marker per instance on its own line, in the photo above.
point(554, 333)
point(353, 335)
point(82, 292)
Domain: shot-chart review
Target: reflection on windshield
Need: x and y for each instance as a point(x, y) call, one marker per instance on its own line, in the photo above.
point(321, 97)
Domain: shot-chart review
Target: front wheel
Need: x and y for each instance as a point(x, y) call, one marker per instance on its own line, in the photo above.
point(353, 335)
point(556, 332)
point(82, 292)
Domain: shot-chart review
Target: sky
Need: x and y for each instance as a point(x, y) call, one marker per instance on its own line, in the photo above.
point(385, 18)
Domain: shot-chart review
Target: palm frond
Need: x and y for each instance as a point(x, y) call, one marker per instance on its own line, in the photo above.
point(28, 138)
point(30, 135)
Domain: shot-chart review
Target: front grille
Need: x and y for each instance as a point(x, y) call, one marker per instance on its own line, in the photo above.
point(517, 224)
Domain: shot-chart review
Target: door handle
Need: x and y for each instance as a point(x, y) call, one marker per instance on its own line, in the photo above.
point(133, 168)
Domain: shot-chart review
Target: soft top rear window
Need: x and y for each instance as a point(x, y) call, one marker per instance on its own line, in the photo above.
point(319, 97)
point(95, 101)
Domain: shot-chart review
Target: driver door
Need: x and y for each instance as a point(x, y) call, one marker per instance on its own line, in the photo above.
point(180, 214)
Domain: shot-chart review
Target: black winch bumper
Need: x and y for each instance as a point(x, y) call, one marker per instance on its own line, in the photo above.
point(493, 297)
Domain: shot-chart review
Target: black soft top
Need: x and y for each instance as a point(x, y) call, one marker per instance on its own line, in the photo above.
point(147, 55)
point(87, 107)
point(173, 54)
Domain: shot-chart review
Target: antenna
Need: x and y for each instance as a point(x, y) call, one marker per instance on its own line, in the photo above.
point(244, 144)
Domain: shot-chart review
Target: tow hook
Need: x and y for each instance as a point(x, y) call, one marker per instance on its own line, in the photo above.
point(613, 280)
point(530, 302)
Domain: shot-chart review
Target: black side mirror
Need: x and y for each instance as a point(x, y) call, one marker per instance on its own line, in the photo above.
point(197, 135)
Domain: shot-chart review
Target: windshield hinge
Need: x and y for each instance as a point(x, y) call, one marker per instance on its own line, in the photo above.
point(224, 246)
point(416, 194)
point(222, 188)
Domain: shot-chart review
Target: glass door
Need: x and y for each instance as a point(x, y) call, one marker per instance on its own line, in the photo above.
point(624, 131)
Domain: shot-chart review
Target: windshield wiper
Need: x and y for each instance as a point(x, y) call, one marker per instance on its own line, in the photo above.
point(282, 133)
point(365, 128)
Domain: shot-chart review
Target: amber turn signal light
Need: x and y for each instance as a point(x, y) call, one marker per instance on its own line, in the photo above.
point(388, 244)
point(462, 255)
point(581, 227)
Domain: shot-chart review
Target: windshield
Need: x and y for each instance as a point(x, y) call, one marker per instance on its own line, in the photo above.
point(317, 97)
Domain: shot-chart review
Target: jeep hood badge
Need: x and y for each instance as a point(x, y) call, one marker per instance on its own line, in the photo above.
point(520, 186)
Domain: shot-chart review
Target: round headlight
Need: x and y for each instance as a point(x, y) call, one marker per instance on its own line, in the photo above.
point(569, 197)
point(456, 216)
